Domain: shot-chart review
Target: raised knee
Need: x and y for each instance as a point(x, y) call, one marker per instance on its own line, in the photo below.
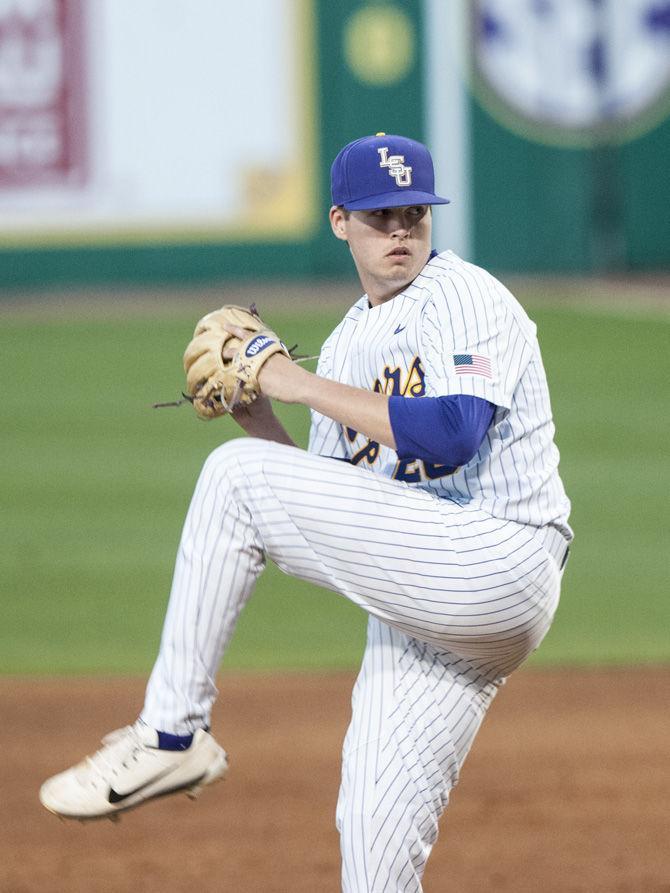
point(230, 450)
point(226, 461)
point(242, 456)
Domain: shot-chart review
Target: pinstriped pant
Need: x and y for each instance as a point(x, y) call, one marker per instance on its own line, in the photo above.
point(457, 599)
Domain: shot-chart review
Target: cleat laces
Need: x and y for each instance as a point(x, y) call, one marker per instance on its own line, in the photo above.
point(119, 746)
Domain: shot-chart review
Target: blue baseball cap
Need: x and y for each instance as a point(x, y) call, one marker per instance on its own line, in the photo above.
point(383, 171)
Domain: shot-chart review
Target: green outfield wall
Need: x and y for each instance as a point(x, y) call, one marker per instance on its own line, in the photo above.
point(540, 207)
point(535, 201)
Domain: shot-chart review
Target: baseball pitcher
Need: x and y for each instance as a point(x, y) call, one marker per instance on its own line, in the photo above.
point(429, 496)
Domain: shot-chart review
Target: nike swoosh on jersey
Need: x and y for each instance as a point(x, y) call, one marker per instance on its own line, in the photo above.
point(399, 330)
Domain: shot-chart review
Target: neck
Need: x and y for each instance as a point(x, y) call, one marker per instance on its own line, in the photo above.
point(379, 292)
point(376, 299)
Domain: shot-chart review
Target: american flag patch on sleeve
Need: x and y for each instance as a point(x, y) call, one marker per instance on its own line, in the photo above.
point(472, 364)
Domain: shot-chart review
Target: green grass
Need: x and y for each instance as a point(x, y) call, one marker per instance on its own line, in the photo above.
point(609, 380)
point(95, 485)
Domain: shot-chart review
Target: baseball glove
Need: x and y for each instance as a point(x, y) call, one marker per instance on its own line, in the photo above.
point(222, 370)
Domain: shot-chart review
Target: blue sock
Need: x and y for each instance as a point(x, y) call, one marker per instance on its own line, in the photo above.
point(166, 741)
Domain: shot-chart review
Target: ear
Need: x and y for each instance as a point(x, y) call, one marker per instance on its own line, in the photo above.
point(338, 222)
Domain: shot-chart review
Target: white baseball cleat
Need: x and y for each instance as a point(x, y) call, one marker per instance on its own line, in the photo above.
point(131, 769)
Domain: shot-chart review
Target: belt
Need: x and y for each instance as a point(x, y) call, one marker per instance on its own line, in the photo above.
point(555, 543)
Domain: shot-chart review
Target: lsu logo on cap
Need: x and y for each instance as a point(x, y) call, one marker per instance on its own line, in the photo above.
point(401, 173)
point(259, 343)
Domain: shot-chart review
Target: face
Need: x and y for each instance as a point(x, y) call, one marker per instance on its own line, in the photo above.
point(390, 246)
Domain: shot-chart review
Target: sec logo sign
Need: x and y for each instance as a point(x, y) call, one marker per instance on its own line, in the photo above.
point(573, 70)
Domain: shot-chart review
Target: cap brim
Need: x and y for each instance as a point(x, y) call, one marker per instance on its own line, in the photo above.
point(395, 200)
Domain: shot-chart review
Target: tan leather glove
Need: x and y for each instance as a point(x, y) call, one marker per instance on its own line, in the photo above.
point(215, 383)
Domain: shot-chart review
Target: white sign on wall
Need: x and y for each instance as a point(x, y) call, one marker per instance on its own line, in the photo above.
point(144, 119)
point(42, 139)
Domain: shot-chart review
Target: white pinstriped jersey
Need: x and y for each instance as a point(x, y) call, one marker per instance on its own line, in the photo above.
point(452, 318)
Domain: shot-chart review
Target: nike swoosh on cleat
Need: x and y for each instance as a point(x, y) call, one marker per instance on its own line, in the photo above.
point(114, 797)
point(399, 330)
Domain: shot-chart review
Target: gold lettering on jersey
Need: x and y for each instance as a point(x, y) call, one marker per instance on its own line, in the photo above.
point(388, 382)
point(369, 452)
point(414, 470)
point(408, 470)
point(401, 173)
point(415, 386)
point(395, 384)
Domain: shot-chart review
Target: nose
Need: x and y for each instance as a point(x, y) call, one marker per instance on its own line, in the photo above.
point(401, 223)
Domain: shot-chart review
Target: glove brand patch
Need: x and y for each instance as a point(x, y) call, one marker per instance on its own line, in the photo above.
point(401, 173)
point(259, 343)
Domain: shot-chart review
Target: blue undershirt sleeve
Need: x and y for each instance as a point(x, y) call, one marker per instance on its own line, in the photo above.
point(444, 430)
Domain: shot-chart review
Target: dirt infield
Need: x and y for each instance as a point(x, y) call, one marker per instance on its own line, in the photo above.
point(567, 789)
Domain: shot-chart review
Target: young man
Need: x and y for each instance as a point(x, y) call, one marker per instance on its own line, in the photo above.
point(446, 522)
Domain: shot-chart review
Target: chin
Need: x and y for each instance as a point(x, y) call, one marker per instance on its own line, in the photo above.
point(404, 268)
point(398, 281)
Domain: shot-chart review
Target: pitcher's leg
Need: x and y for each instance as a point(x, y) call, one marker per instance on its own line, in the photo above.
point(219, 559)
point(415, 714)
point(455, 578)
